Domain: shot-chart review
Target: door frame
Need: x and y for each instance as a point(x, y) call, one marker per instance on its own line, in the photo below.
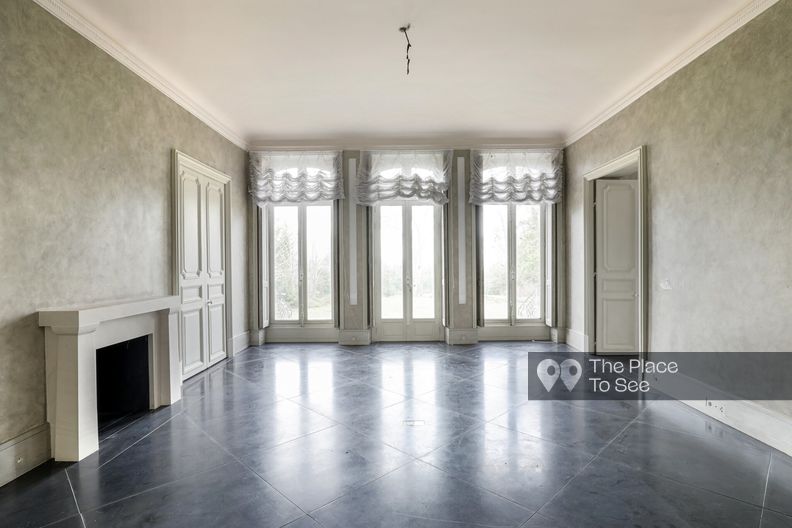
point(180, 159)
point(635, 160)
point(376, 271)
point(301, 330)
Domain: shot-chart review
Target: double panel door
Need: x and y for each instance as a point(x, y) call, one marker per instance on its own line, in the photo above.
point(201, 247)
point(407, 272)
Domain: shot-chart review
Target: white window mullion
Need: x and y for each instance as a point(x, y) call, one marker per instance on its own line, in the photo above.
point(512, 215)
point(301, 262)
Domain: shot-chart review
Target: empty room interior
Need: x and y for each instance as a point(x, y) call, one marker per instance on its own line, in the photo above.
point(396, 263)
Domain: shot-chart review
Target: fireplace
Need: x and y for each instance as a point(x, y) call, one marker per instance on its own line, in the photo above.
point(107, 362)
point(122, 383)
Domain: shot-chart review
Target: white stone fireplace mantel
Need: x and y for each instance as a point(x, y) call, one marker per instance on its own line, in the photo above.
point(72, 336)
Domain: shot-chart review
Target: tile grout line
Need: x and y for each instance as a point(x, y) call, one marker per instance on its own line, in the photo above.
point(486, 490)
point(363, 484)
point(74, 496)
point(672, 479)
point(656, 475)
point(158, 486)
point(764, 495)
point(593, 459)
point(133, 444)
point(229, 453)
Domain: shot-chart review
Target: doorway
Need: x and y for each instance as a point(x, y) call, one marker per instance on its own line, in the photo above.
point(201, 260)
point(616, 256)
point(407, 272)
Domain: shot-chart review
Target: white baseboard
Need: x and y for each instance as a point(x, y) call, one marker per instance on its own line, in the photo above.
point(535, 332)
point(258, 337)
point(558, 335)
point(23, 453)
point(757, 421)
point(297, 334)
point(749, 417)
point(240, 342)
point(576, 340)
point(354, 337)
point(461, 336)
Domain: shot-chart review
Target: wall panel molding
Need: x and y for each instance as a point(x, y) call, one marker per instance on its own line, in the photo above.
point(352, 233)
point(461, 232)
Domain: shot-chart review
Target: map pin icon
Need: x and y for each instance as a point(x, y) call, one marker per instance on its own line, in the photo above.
point(543, 372)
point(570, 373)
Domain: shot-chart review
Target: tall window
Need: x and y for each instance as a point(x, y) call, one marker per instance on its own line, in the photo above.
point(302, 285)
point(512, 261)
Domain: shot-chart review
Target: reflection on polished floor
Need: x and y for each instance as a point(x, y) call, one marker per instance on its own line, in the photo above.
point(406, 435)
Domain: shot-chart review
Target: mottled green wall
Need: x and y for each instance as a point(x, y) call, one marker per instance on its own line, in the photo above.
point(719, 138)
point(85, 190)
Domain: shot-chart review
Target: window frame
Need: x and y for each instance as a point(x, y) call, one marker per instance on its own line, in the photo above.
point(302, 321)
point(511, 226)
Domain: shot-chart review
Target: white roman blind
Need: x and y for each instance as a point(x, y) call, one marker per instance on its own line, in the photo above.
point(516, 176)
point(403, 175)
point(295, 176)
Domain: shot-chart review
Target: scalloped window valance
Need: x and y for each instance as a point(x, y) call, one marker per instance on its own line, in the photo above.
point(403, 175)
point(516, 176)
point(291, 176)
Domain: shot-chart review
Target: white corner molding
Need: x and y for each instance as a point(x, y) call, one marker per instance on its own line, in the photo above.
point(106, 43)
point(72, 336)
point(753, 9)
point(352, 206)
point(461, 249)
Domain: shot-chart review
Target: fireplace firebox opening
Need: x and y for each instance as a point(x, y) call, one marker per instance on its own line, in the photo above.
point(122, 384)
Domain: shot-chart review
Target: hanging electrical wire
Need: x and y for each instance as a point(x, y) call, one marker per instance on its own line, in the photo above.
point(405, 29)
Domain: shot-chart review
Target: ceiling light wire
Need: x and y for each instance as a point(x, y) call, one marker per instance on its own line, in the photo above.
point(405, 29)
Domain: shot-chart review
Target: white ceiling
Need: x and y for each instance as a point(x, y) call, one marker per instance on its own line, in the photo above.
point(319, 72)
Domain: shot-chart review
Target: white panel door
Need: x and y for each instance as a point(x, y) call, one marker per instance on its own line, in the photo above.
point(215, 270)
point(201, 247)
point(191, 273)
point(616, 260)
point(407, 273)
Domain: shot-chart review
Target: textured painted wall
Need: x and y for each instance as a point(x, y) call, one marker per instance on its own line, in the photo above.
point(85, 190)
point(719, 137)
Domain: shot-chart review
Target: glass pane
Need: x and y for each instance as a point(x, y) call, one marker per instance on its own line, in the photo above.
point(423, 262)
point(528, 266)
point(391, 283)
point(318, 264)
point(495, 253)
point(285, 286)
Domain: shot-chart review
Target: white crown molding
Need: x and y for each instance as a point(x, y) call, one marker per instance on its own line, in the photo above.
point(456, 144)
point(77, 22)
point(753, 9)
